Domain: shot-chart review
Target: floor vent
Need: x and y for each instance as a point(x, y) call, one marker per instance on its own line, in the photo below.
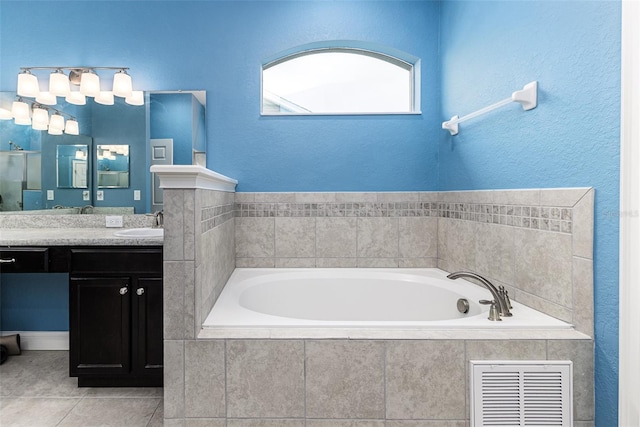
point(521, 393)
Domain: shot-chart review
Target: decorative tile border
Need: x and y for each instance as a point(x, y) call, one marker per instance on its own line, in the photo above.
point(214, 216)
point(364, 209)
point(555, 219)
point(548, 218)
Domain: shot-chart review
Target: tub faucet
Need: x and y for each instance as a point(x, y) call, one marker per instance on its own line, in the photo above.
point(503, 307)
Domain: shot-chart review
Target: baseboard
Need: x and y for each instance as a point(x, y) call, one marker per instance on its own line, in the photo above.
point(41, 340)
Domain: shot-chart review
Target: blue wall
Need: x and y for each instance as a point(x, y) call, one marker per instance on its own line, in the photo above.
point(219, 47)
point(473, 53)
point(490, 49)
point(172, 116)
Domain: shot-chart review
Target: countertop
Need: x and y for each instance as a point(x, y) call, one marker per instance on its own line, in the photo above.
point(71, 237)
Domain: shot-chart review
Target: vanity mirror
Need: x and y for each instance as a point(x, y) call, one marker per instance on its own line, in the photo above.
point(176, 117)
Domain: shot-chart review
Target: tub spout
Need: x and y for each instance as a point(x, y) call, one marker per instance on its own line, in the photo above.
point(503, 307)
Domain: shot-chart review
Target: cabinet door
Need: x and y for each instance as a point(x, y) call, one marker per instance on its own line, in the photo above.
point(148, 354)
point(99, 325)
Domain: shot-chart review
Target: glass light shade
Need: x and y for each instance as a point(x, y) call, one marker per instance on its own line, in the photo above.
point(59, 83)
point(76, 98)
point(54, 131)
point(136, 98)
point(22, 120)
point(46, 98)
point(40, 119)
point(28, 85)
point(71, 127)
point(89, 83)
point(105, 98)
point(56, 122)
point(20, 110)
point(122, 85)
point(5, 114)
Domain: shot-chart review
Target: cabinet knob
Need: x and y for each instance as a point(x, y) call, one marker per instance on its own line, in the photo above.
point(8, 261)
point(124, 290)
point(140, 291)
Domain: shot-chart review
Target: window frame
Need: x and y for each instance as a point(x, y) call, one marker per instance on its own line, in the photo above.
point(413, 66)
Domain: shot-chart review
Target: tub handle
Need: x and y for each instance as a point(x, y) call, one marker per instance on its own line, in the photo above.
point(494, 314)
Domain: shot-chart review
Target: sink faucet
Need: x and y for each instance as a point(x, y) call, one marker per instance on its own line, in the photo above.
point(503, 307)
point(158, 219)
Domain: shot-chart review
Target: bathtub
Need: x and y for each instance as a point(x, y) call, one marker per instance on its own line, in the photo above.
point(357, 299)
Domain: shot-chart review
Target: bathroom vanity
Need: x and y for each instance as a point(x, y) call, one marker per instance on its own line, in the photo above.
point(115, 299)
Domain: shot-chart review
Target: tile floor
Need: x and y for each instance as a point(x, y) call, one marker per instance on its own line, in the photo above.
point(36, 391)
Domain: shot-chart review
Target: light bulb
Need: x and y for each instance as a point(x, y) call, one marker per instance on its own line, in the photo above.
point(46, 98)
point(136, 98)
point(89, 83)
point(59, 83)
point(122, 85)
point(56, 122)
point(28, 84)
point(71, 128)
point(105, 98)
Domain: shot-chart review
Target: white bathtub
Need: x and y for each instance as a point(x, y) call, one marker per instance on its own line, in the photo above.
point(359, 298)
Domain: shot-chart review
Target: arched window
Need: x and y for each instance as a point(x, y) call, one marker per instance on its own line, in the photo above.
point(338, 81)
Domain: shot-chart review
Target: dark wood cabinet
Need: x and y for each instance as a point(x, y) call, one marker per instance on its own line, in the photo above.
point(115, 322)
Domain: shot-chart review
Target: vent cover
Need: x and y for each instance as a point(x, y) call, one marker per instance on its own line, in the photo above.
point(521, 393)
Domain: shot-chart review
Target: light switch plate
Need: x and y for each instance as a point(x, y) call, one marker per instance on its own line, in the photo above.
point(49, 194)
point(100, 195)
point(113, 221)
point(136, 194)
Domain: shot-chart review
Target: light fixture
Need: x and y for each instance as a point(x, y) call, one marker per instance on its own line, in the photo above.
point(89, 83)
point(136, 98)
point(22, 120)
point(20, 110)
point(5, 114)
point(46, 98)
point(105, 98)
point(40, 118)
point(28, 84)
point(122, 85)
point(56, 122)
point(76, 98)
point(71, 127)
point(58, 83)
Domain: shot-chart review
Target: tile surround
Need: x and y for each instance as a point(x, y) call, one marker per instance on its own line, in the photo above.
point(336, 382)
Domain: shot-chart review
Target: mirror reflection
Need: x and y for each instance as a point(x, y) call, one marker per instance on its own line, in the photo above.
point(113, 166)
point(71, 166)
point(173, 119)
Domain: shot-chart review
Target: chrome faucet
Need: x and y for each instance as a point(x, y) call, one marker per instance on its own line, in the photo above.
point(503, 307)
point(158, 219)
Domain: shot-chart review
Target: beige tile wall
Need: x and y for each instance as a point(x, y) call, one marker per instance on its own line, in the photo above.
point(537, 243)
point(342, 382)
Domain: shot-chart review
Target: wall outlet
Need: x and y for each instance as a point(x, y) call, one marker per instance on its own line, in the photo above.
point(85, 195)
point(49, 194)
point(136, 194)
point(114, 221)
point(100, 195)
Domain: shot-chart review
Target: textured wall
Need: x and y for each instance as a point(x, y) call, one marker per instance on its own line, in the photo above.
point(490, 49)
